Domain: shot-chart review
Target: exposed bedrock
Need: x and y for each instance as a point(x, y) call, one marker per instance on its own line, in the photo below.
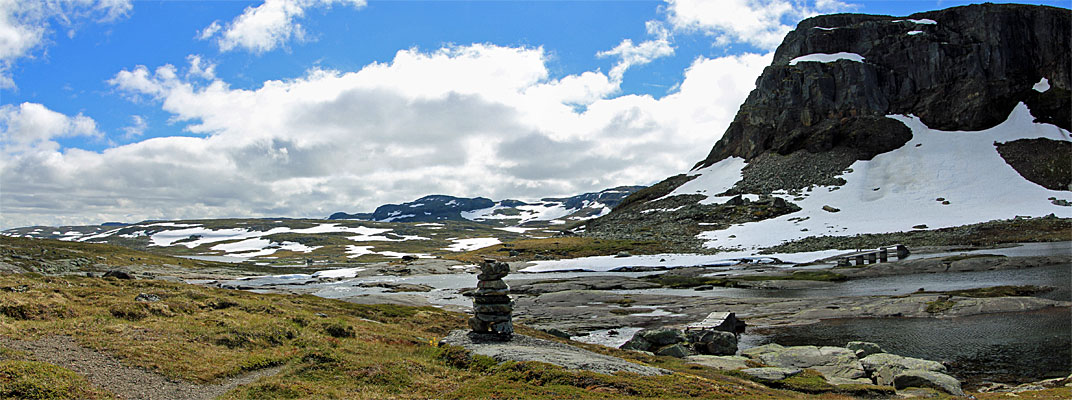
point(1042, 161)
point(966, 71)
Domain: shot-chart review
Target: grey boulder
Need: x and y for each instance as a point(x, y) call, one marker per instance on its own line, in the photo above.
point(864, 349)
point(928, 379)
point(719, 362)
point(711, 342)
point(674, 350)
point(883, 367)
point(661, 336)
point(832, 362)
point(771, 373)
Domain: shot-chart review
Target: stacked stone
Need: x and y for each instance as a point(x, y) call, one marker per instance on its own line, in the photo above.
point(491, 302)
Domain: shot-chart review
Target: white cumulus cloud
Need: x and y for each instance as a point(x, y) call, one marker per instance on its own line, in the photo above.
point(761, 23)
point(33, 122)
point(630, 54)
point(137, 127)
point(267, 26)
point(476, 120)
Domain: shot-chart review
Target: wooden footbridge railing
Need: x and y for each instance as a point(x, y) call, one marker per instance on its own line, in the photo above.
point(882, 254)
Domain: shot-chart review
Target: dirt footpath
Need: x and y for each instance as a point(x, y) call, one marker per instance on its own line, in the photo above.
point(125, 381)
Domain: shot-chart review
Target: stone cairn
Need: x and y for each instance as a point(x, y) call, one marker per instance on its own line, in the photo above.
point(491, 302)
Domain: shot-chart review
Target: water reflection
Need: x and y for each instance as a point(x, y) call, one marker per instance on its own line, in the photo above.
point(1007, 347)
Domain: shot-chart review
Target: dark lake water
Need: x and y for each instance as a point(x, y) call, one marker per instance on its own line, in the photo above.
point(1005, 347)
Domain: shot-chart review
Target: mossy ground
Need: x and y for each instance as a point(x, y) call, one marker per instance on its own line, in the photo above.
point(327, 348)
point(331, 247)
point(940, 305)
point(1001, 291)
point(28, 251)
point(1048, 394)
point(32, 380)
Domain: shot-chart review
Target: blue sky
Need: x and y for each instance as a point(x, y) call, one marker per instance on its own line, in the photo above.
point(129, 110)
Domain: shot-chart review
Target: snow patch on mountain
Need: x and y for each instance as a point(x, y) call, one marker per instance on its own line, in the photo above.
point(713, 180)
point(1042, 86)
point(826, 58)
point(903, 188)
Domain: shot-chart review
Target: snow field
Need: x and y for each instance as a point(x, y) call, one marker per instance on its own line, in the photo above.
point(900, 189)
point(471, 244)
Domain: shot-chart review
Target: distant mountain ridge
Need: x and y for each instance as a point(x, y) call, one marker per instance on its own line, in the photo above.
point(551, 210)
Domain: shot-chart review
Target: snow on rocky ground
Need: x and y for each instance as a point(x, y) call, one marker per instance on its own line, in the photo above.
point(898, 190)
point(472, 244)
point(825, 58)
point(527, 213)
point(553, 212)
point(1042, 86)
point(715, 179)
point(244, 242)
point(203, 235)
point(258, 247)
point(918, 21)
point(516, 229)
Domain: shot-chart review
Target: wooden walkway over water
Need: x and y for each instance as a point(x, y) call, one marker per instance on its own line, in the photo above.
point(881, 254)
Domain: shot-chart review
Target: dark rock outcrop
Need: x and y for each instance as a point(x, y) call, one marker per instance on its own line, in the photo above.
point(807, 122)
point(966, 71)
point(1042, 161)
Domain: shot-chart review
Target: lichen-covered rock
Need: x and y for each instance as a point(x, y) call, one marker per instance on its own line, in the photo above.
point(884, 367)
point(636, 343)
point(755, 351)
point(830, 361)
point(864, 349)
point(713, 342)
point(661, 336)
point(771, 373)
point(928, 379)
point(674, 350)
point(719, 362)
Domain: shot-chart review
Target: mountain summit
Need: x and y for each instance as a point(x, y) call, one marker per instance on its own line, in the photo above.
point(872, 124)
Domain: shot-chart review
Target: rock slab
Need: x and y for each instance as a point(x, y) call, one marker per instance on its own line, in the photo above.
point(832, 362)
point(884, 367)
point(928, 379)
point(771, 373)
point(527, 348)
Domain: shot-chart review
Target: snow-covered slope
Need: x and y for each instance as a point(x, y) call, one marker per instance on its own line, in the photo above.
point(937, 179)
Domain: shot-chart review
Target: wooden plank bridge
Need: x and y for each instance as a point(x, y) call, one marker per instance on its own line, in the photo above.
point(881, 254)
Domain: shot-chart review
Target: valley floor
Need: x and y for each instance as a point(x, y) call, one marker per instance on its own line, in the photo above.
point(253, 345)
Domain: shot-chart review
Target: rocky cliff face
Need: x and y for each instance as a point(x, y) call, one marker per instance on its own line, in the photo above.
point(869, 124)
point(962, 68)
